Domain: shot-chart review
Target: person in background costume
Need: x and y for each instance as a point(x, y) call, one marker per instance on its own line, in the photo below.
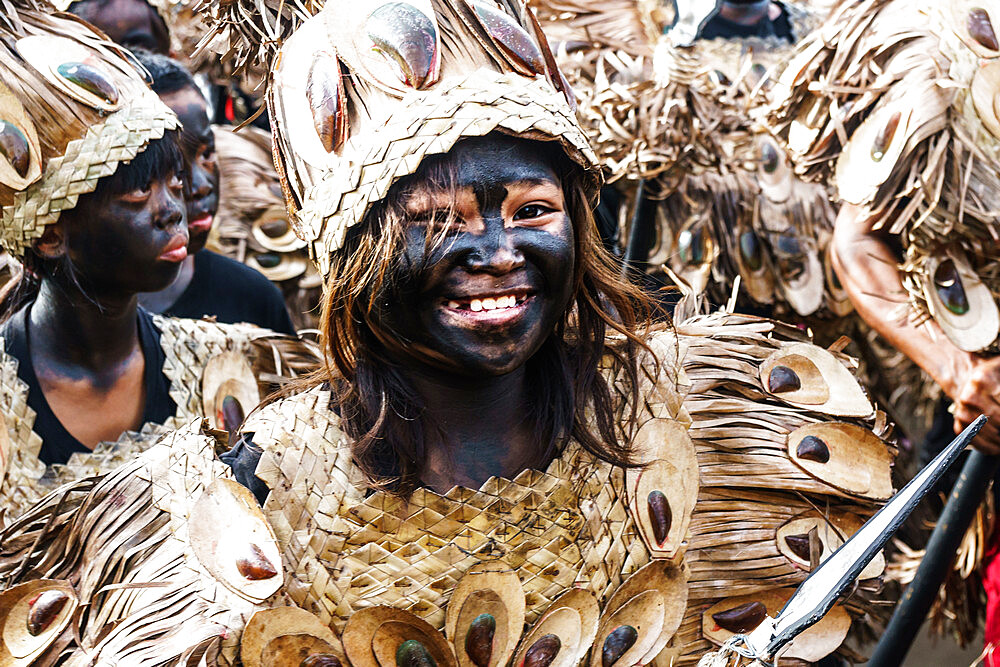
point(93, 207)
point(903, 124)
point(501, 460)
point(208, 284)
point(252, 224)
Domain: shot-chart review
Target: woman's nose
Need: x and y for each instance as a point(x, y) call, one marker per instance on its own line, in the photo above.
point(201, 186)
point(494, 252)
point(169, 210)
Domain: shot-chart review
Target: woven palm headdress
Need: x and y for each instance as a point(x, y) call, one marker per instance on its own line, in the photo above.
point(361, 92)
point(73, 106)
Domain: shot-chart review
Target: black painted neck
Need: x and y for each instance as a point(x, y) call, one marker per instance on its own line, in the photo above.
point(71, 329)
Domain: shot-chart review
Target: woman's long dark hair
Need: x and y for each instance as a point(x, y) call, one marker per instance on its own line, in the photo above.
point(161, 157)
point(380, 408)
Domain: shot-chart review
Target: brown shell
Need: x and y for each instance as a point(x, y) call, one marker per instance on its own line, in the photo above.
point(815, 643)
point(18, 646)
point(489, 587)
point(45, 53)
point(832, 530)
point(670, 466)
point(11, 111)
point(573, 617)
point(974, 330)
point(665, 577)
point(826, 385)
point(372, 636)
point(645, 612)
point(859, 462)
point(268, 624)
point(350, 28)
point(228, 374)
point(294, 650)
point(225, 525)
point(976, 23)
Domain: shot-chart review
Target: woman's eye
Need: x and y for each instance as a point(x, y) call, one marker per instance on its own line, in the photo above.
point(532, 211)
point(138, 195)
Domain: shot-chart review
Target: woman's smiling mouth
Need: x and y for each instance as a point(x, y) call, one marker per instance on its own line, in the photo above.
point(489, 310)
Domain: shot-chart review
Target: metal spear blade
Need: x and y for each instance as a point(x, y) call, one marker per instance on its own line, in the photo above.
point(818, 593)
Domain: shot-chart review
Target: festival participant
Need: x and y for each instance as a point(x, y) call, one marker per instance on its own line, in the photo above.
point(93, 207)
point(497, 432)
point(906, 129)
point(208, 284)
point(135, 24)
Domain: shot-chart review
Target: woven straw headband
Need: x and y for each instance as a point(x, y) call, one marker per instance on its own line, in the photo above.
point(431, 123)
point(121, 137)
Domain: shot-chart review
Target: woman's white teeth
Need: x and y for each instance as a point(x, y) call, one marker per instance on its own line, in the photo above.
point(488, 303)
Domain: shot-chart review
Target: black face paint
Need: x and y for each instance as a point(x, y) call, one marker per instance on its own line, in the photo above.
point(132, 23)
point(516, 246)
point(128, 243)
point(197, 141)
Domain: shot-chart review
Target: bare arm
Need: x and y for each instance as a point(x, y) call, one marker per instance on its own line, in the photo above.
point(867, 267)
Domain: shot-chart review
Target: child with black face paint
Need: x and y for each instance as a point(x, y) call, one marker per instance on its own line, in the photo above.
point(208, 284)
point(93, 207)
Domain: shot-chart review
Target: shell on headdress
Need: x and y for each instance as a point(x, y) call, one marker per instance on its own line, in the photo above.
point(72, 68)
point(20, 154)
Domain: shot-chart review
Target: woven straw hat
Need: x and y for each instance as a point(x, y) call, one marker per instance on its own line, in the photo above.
point(73, 106)
point(360, 93)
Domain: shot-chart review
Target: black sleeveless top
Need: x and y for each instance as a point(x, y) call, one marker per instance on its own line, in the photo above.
point(57, 443)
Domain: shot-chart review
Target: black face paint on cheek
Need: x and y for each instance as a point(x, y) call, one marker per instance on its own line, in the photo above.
point(202, 185)
point(115, 246)
point(494, 256)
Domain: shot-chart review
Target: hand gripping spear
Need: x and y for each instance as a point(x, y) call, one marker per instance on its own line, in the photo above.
point(818, 593)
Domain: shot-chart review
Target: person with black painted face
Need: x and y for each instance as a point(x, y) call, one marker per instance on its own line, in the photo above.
point(132, 23)
point(93, 207)
point(208, 283)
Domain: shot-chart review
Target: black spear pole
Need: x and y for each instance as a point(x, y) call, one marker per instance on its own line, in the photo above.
point(942, 548)
point(642, 233)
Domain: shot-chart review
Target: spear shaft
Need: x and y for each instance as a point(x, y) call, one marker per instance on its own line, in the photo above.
point(942, 548)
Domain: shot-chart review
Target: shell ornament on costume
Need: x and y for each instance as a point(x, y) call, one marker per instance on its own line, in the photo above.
point(485, 627)
point(32, 616)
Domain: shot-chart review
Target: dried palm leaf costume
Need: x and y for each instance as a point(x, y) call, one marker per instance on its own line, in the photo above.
point(73, 107)
point(893, 102)
point(760, 451)
point(252, 225)
point(676, 114)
